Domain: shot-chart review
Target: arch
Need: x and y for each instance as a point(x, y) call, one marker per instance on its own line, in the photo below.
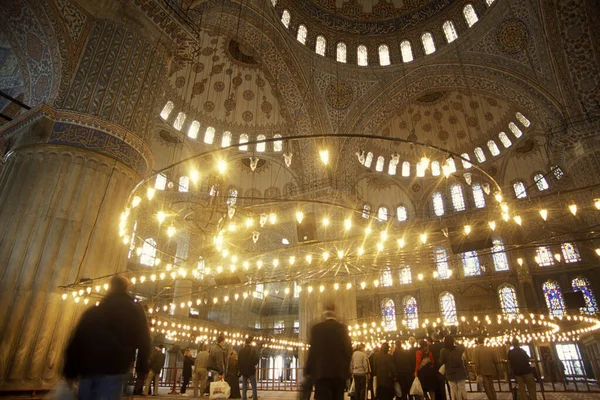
point(499, 255)
point(161, 182)
point(340, 52)
point(520, 190)
point(515, 130)
point(226, 139)
point(369, 160)
point(167, 109)
point(209, 135)
point(508, 300)
point(405, 275)
point(582, 284)
point(321, 45)
point(193, 130)
point(261, 146)
point(504, 139)
point(243, 139)
point(384, 55)
point(385, 277)
point(438, 204)
point(411, 312)
point(405, 169)
point(470, 15)
point(449, 31)
point(570, 252)
point(523, 119)
point(179, 121)
point(286, 18)
point(470, 262)
point(554, 298)
point(379, 164)
point(392, 167)
point(493, 147)
point(441, 263)
point(148, 254)
point(272, 192)
point(428, 43)
point(458, 200)
point(448, 308)
point(302, 34)
point(401, 214)
point(362, 58)
point(382, 213)
point(406, 50)
point(479, 154)
point(388, 314)
point(478, 195)
point(541, 182)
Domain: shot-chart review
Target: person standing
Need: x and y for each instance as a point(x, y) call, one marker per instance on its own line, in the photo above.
point(485, 359)
point(248, 360)
point(232, 376)
point(157, 362)
point(451, 356)
point(435, 348)
point(424, 369)
point(404, 369)
point(372, 363)
point(385, 373)
point(186, 374)
point(361, 371)
point(519, 363)
point(103, 345)
point(201, 370)
point(329, 357)
point(217, 360)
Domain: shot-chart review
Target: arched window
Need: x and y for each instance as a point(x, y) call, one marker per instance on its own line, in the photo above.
point(243, 139)
point(581, 284)
point(466, 164)
point(286, 18)
point(450, 165)
point(520, 190)
point(489, 2)
point(541, 182)
point(406, 50)
point(148, 255)
point(523, 120)
point(341, 52)
point(554, 298)
point(385, 277)
point(411, 312)
point(392, 167)
point(388, 312)
point(369, 160)
point(384, 55)
point(209, 135)
point(441, 263)
point(321, 45)
point(449, 31)
point(470, 262)
point(361, 56)
point(179, 121)
point(428, 44)
point(420, 169)
point(226, 139)
point(366, 213)
point(504, 139)
point(232, 197)
point(479, 154)
point(193, 130)
point(570, 252)
point(166, 111)
point(405, 275)
point(478, 196)
point(382, 214)
point(184, 183)
point(261, 146)
point(406, 169)
point(557, 171)
point(508, 300)
point(543, 256)
point(302, 33)
point(470, 15)
point(379, 164)
point(438, 204)
point(274, 2)
point(277, 144)
point(161, 182)
point(401, 213)
point(458, 200)
point(259, 291)
point(435, 168)
point(515, 130)
point(499, 256)
point(448, 308)
point(493, 148)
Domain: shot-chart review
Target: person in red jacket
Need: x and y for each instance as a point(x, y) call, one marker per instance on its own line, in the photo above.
point(424, 369)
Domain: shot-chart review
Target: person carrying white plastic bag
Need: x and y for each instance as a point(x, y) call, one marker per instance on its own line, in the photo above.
point(219, 390)
point(416, 389)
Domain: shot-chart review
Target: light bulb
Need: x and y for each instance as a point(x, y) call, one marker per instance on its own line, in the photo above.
point(401, 243)
point(325, 255)
point(347, 223)
point(544, 214)
point(325, 221)
point(423, 238)
point(324, 154)
point(504, 207)
point(336, 286)
point(498, 197)
point(272, 218)
point(361, 251)
point(424, 162)
point(292, 260)
point(384, 236)
point(379, 246)
point(321, 288)
point(249, 222)
point(467, 229)
point(275, 263)
point(171, 231)
point(136, 201)
point(222, 166)
point(308, 258)
point(598, 251)
point(310, 289)
point(505, 217)
point(368, 230)
point(150, 193)
point(299, 216)
point(573, 209)
point(363, 285)
point(520, 261)
point(518, 220)
point(597, 203)
point(348, 286)
point(492, 225)
point(160, 216)
point(340, 254)
point(194, 176)
point(420, 277)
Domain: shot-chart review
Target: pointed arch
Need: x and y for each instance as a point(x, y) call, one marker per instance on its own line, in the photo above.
point(321, 45)
point(340, 54)
point(428, 43)
point(302, 34)
point(582, 284)
point(385, 277)
point(406, 50)
point(167, 109)
point(449, 31)
point(508, 299)
point(448, 308)
point(388, 313)
point(470, 15)
point(554, 298)
point(384, 55)
point(411, 312)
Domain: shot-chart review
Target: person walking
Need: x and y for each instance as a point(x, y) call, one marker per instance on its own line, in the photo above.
point(436, 348)
point(329, 357)
point(404, 370)
point(201, 370)
point(424, 369)
point(451, 357)
point(485, 359)
point(361, 370)
point(248, 360)
point(186, 373)
point(103, 345)
point(372, 363)
point(157, 362)
point(217, 366)
point(386, 373)
point(519, 363)
point(232, 376)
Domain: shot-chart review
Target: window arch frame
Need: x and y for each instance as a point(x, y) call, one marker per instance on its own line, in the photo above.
point(520, 190)
point(556, 306)
point(541, 183)
point(401, 213)
point(388, 313)
point(405, 275)
point(261, 145)
point(449, 31)
point(244, 138)
point(478, 195)
point(470, 15)
point(437, 200)
point(458, 197)
point(470, 263)
point(341, 52)
point(447, 304)
point(385, 277)
point(149, 246)
point(504, 139)
point(406, 51)
point(193, 130)
point(321, 45)
point(302, 34)
point(362, 55)
point(380, 163)
point(226, 138)
point(411, 311)
point(428, 43)
point(591, 305)
point(167, 110)
point(442, 265)
point(506, 290)
point(383, 51)
point(179, 121)
point(209, 135)
point(286, 18)
point(383, 214)
point(499, 255)
point(493, 148)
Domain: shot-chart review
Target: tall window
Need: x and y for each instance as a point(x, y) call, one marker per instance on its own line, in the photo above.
point(438, 204)
point(451, 165)
point(232, 197)
point(392, 167)
point(302, 33)
point(167, 109)
point(466, 164)
point(379, 164)
point(259, 291)
point(369, 160)
point(470, 261)
point(341, 52)
point(504, 139)
point(448, 308)
point(435, 168)
point(297, 289)
point(458, 200)
point(384, 55)
point(261, 146)
point(401, 213)
point(385, 277)
point(321, 45)
point(405, 169)
point(209, 135)
point(554, 298)
point(148, 255)
point(226, 139)
point(277, 144)
point(543, 256)
point(499, 255)
point(405, 275)
point(441, 263)
point(523, 120)
point(470, 15)
point(411, 312)
point(520, 190)
point(449, 31)
point(286, 18)
point(193, 130)
point(179, 121)
point(570, 252)
point(581, 284)
point(515, 130)
point(508, 300)
point(184, 183)
point(366, 213)
point(382, 214)
point(540, 182)
point(388, 312)
point(557, 171)
point(361, 56)
point(428, 44)
point(479, 154)
point(493, 148)
point(406, 50)
point(161, 182)
point(478, 196)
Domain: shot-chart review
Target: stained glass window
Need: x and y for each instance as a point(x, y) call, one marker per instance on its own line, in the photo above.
point(392, 167)
point(435, 168)
point(406, 50)
point(470, 261)
point(406, 169)
point(184, 183)
point(243, 139)
point(428, 43)
point(493, 147)
point(411, 312)
point(441, 263)
point(261, 146)
point(286, 18)
point(209, 135)
point(166, 111)
point(405, 275)
point(401, 213)
point(470, 15)
point(438, 204)
point(458, 201)
point(581, 284)
point(277, 144)
point(520, 190)
point(570, 252)
point(361, 55)
point(478, 196)
point(466, 164)
point(366, 213)
point(479, 154)
point(382, 214)
point(369, 160)
point(385, 277)
point(543, 256)
point(448, 308)
point(541, 182)
point(232, 197)
point(515, 130)
point(508, 300)
point(504, 139)
point(193, 130)
point(554, 298)
point(384, 55)
point(179, 121)
point(341, 52)
point(161, 182)
point(379, 164)
point(259, 291)
point(302, 33)
point(388, 312)
point(523, 120)
point(449, 31)
point(148, 255)
point(226, 139)
point(557, 171)
point(321, 45)
point(499, 255)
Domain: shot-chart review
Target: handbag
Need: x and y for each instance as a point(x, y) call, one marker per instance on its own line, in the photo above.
point(416, 389)
point(219, 390)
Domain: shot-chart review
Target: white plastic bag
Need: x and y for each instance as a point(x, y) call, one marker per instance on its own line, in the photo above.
point(64, 391)
point(352, 387)
point(416, 389)
point(398, 389)
point(219, 390)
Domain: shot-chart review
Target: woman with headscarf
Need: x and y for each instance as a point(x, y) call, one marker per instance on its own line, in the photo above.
point(232, 376)
point(451, 357)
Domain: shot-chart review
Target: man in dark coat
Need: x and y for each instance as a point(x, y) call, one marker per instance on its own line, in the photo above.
point(405, 369)
point(186, 373)
point(373, 365)
point(157, 362)
point(102, 348)
point(247, 362)
point(329, 357)
point(435, 349)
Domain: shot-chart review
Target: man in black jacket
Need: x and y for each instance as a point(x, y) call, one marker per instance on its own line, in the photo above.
point(247, 361)
point(157, 362)
point(102, 348)
point(435, 349)
point(329, 357)
point(405, 369)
